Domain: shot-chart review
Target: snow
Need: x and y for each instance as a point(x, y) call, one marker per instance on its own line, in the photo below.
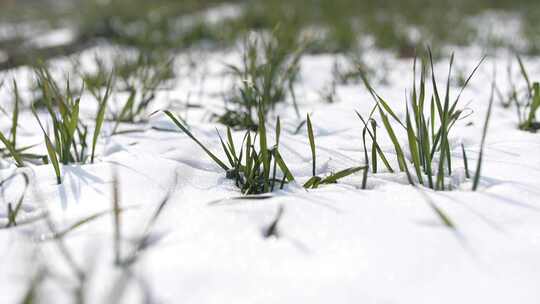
point(57, 37)
point(336, 244)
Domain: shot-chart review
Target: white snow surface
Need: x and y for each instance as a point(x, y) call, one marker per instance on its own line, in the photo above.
point(336, 244)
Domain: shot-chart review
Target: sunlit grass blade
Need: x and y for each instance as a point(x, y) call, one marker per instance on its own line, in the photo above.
point(443, 216)
point(263, 145)
point(287, 173)
point(426, 150)
point(524, 74)
point(275, 150)
point(12, 151)
point(533, 107)
point(100, 117)
point(126, 109)
point(52, 157)
point(465, 161)
point(230, 143)
point(477, 174)
point(15, 116)
point(50, 150)
point(226, 150)
point(190, 135)
point(375, 144)
point(374, 148)
point(333, 178)
point(402, 162)
point(313, 182)
point(413, 147)
point(311, 138)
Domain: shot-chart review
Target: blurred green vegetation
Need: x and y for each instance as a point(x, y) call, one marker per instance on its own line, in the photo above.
point(334, 26)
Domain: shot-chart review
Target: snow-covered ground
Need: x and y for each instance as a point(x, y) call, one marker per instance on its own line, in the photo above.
point(338, 243)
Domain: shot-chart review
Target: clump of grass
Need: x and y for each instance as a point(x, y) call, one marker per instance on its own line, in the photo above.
point(315, 181)
point(427, 134)
point(265, 78)
point(141, 75)
point(526, 102)
point(68, 142)
point(254, 168)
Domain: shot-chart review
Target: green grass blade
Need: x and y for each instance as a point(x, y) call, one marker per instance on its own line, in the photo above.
point(444, 218)
point(333, 178)
point(377, 147)
point(230, 143)
point(283, 167)
point(275, 152)
point(12, 151)
point(312, 183)
point(126, 109)
point(265, 157)
point(524, 74)
point(465, 161)
point(15, 118)
point(226, 150)
point(426, 150)
point(52, 157)
point(477, 174)
point(399, 152)
point(535, 104)
point(373, 147)
point(100, 117)
point(50, 149)
point(413, 147)
point(393, 138)
point(190, 135)
point(311, 138)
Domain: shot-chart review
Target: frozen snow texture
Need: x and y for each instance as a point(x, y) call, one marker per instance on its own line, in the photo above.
point(336, 244)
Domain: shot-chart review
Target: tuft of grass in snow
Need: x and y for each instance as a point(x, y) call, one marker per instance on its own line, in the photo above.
point(427, 135)
point(265, 78)
point(254, 168)
point(527, 104)
point(67, 143)
point(142, 76)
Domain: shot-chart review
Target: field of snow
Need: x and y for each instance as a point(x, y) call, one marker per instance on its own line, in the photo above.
point(338, 243)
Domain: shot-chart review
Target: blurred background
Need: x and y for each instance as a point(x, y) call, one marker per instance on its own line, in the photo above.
point(32, 30)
